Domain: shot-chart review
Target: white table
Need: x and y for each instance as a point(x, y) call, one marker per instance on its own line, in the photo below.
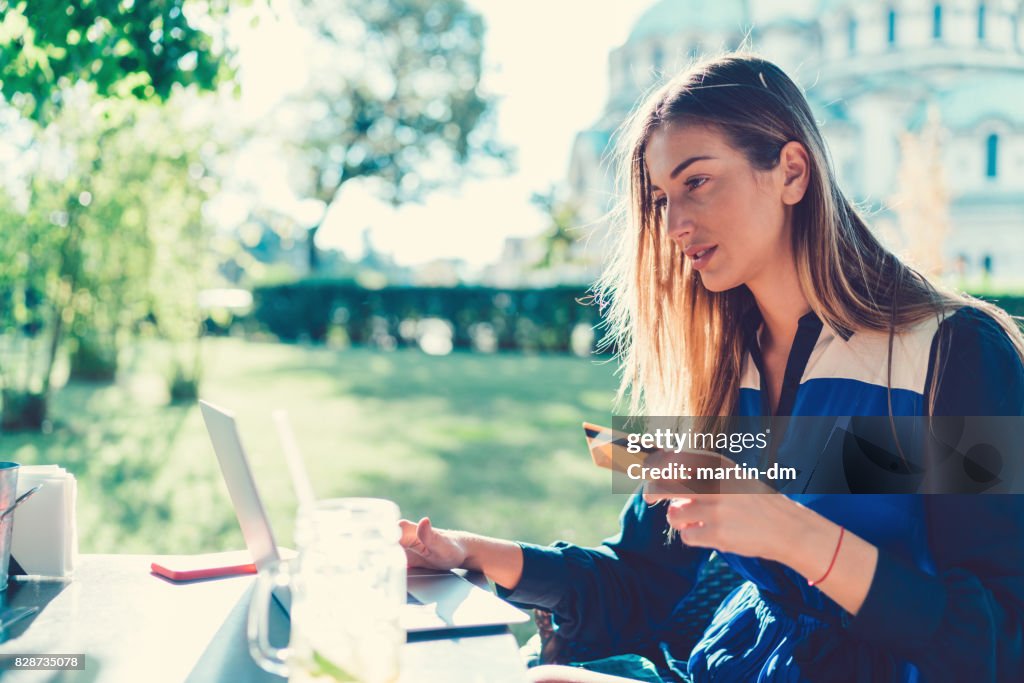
point(134, 626)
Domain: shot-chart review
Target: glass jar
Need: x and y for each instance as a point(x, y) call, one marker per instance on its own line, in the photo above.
point(348, 589)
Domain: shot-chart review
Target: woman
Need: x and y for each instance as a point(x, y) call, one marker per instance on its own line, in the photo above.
point(746, 284)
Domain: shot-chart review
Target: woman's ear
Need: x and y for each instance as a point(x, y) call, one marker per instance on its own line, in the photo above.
point(795, 164)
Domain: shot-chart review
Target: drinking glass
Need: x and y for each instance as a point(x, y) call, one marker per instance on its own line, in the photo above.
point(348, 586)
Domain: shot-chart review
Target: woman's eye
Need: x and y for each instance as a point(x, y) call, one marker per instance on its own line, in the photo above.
point(660, 203)
point(694, 183)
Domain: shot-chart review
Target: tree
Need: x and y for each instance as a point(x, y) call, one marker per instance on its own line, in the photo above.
point(76, 237)
point(125, 48)
point(96, 192)
point(395, 98)
point(110, 236)
point(144, 238)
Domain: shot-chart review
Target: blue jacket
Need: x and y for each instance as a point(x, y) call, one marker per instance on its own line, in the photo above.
point(947, 599)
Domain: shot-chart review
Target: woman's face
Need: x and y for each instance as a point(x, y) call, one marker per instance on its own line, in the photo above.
point(731, 221)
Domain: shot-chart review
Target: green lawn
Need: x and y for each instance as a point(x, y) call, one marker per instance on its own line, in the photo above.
point(490, 443)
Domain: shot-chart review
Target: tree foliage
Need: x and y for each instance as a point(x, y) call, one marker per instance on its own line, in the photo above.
point(103, 176)
point(111, 234)
point(395, 96)
point(125, 48)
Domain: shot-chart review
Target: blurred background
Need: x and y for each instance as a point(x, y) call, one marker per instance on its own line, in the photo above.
point(384, 217)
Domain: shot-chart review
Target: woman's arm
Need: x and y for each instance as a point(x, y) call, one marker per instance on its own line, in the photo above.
point(787, 532)
point(811, 545)
point(616, 595)
point(967, 621)
point(499, 560)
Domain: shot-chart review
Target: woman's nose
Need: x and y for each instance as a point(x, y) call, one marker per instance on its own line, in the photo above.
point(680, 226)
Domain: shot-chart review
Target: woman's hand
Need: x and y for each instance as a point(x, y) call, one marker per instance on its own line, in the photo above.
point(501, 561)
point(730, 514)
point(773, 527)
point(754, 525)
point(758, 522)
point(432, 548)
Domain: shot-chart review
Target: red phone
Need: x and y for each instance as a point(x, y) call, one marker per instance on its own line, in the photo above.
point(207, 566)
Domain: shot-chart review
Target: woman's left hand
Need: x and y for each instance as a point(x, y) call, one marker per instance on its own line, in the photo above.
point(754, 525)
point(747, 517)
point(742, 516)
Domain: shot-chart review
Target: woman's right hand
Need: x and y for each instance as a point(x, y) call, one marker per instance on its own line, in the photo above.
point(432, 548)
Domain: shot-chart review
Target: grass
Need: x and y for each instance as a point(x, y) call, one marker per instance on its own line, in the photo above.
point(489, 443)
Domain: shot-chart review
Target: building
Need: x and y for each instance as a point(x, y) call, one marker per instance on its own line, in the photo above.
point(873, 70)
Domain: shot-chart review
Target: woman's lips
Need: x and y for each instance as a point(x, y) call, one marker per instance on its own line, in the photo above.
point(699, 259)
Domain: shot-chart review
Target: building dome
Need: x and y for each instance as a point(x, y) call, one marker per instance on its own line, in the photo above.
point(873, 71)
point(670, 17)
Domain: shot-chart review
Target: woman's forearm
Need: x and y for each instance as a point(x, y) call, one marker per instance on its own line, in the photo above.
point(808, 547)
point(501, 561)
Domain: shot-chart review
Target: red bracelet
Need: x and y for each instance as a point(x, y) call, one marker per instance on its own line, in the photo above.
point(833, 562)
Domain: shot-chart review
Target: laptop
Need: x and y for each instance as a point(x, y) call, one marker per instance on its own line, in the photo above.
point(436, 600)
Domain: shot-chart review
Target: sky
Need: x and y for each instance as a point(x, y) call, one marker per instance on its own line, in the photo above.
point(545, 62)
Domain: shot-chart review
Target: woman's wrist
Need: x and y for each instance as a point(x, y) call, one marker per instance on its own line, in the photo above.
point(499, 560)
point(807, 543)
point(473, 558)
point(837, 561)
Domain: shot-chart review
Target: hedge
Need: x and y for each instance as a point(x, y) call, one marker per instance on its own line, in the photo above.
point(520, 319)
point(523, 319)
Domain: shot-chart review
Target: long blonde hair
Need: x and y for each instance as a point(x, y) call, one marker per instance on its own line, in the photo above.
point(680, 345)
